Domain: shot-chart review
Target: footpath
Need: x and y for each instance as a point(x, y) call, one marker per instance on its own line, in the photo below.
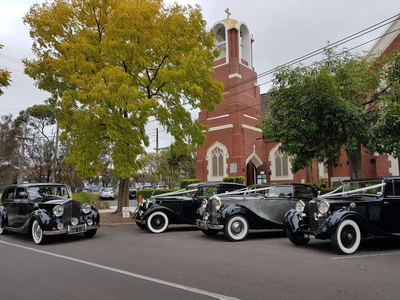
point(110, 223)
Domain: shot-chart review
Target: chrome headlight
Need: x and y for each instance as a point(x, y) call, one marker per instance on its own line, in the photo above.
point(86, 208)
point(206, 216)
point(218, 205)
point(299, 206)
point(74, 221)
point(58, 210)
point(204, 203)
point(323, 206)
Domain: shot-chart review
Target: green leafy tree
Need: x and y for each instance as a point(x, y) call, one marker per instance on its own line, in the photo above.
point(111, 65)
point(385, 138)
point(316, 111)
point(4, 77)
point(40, 141)
point(9, 157)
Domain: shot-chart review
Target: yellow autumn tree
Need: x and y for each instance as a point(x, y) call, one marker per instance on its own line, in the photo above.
point(113, 65)
point(4, 77)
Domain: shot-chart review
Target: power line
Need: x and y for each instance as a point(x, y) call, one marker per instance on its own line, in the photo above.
point(321, 50)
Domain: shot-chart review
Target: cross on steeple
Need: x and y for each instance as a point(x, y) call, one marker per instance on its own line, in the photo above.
point(227, 13)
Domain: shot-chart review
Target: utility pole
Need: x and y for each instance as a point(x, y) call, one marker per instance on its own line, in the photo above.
point(20, 178)
point(55, 147)
point(157, 140)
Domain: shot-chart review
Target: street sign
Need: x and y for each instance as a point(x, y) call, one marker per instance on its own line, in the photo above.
point(233, 168)
point(126, 213)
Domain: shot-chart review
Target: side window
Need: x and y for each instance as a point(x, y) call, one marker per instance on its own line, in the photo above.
point(303, 191)
point(9, 194)
point(21, 194)
point(393, 187)
point(284, 191)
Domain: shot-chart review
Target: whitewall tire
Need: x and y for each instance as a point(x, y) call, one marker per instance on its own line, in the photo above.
point(237, 228)
point(37, 233)
point(347, 237)
point(157, 222)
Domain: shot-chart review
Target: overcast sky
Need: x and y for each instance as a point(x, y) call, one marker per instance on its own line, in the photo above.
point(283, 30)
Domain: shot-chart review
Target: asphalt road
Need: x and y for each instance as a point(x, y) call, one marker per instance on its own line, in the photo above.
point(182, 263)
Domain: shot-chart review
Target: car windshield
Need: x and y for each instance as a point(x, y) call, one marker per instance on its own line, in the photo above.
point(36, 192)
point(367, 187)
point(107, 190)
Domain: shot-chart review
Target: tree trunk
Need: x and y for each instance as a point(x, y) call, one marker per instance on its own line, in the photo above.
point(123, 195)
point(355, 163)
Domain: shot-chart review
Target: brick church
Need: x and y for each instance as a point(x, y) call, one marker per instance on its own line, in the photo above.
point(235, 145)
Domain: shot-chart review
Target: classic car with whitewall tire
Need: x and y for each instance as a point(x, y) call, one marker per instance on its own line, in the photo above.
point(358, 209)
point(45, 209)
point(179, 207)
point(257, 207)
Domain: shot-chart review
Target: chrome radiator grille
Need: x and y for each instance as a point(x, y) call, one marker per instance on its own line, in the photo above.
point(71, 209)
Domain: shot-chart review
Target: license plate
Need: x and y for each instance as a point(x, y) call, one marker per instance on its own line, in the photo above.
point(76, 229)
point(309, 236)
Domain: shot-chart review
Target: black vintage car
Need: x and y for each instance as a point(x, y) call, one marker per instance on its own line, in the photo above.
point(178, 207)
point(45, 209)
point(257, 207)
point(357, 209)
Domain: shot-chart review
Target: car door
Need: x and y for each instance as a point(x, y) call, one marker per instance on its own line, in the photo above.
point(279, 200)
point(8, 203)
point(21, 206)
point(391, 203)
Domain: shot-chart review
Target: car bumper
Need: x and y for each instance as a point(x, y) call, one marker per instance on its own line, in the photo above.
point(72, 230)
point(206, 225)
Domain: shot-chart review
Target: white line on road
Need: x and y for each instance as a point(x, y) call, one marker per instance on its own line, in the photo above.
point(363, 256)
point(163, 282)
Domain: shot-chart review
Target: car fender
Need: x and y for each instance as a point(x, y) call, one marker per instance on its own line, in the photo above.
point(234, 209)
point(93, 215)
point(292, 220)
point(169, 212)
point(43, 217)
point(333, 221)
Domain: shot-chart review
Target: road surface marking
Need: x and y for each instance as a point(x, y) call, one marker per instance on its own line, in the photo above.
point(367, 255)
point(163, 282)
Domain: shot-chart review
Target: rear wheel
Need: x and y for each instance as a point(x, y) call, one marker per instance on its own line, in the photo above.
point(299, 241)
point(37, 234)
point(157, 222)
point(237, 228)
point(347, 237)
point(210, 231)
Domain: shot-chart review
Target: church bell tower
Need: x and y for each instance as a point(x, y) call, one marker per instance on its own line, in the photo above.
point(234, 143)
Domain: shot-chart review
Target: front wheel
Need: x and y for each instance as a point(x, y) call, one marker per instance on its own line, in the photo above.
point(210, 232)
point(90, 233)
point(299, 241)
point(347, 237)
point(2, 230)
point(157, 222)
point(237, 228)
point(37, 234)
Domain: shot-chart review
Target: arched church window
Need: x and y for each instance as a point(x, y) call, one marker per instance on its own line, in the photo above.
point(281, 164)
point(218, 162)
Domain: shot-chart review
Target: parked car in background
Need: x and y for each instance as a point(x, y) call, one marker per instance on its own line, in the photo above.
point(178, 207)
point(358, 209)
point(132, 193)
point(106, 193)
point(256, 207)
point(45, 209)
